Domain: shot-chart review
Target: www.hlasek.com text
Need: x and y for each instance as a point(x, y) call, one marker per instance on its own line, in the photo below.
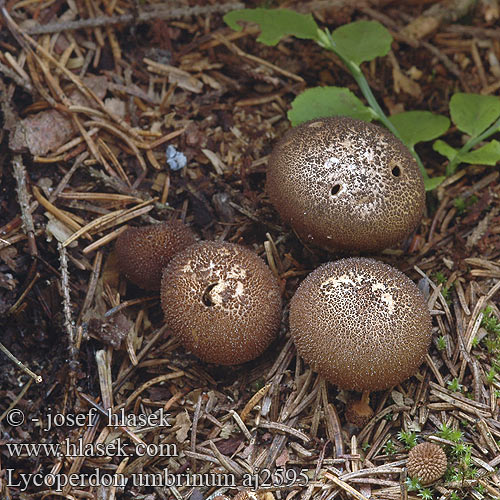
point(115, 448)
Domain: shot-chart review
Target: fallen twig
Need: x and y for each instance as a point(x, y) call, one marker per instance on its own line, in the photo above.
point(24, 202)
point(37, 378)
point(141, 17)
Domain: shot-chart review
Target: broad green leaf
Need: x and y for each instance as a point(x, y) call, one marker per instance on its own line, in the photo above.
point(419, 126)
point(488, 154)
point(275, 23)
point(433, 183)
point(319, 102)
point(362, 41)
point(445, 149)
point(474, 113)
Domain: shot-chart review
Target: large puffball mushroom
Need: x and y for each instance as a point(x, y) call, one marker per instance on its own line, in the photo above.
point(361, 324)
point(222, 301)
point(144, 251)
point(345, 184)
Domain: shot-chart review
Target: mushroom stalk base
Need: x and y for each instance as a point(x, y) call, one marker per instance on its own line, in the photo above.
point(359, 412)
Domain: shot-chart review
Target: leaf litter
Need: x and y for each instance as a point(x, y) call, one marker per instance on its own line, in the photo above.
point(221, 101)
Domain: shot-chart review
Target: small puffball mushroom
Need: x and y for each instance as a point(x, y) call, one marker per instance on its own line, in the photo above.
point(427, 462)
point(345, 184)
point(361, 324)
point(358, 411)
point(143, 252)
point(222, 301)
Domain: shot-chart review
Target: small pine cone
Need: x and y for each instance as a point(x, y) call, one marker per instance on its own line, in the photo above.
point(427, 462)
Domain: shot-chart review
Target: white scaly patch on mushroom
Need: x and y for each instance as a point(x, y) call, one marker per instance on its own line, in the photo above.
point(353, 279)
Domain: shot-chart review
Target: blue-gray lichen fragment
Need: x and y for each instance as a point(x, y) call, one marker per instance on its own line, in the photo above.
point(175, 160)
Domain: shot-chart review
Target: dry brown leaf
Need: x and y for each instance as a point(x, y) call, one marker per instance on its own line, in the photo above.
point(405, 84)
point(111, 331)
point(48, 130)
point(421, 27)
point(283, 458)
point(184, 422)
point(116, 106)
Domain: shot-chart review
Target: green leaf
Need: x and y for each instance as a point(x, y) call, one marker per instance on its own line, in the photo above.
point(419, 126)
point(488, 154)
point(319, 102)
point(275, 23)
point(473, 113)
point(433, 183)
point(445, 149)
point(362, 41)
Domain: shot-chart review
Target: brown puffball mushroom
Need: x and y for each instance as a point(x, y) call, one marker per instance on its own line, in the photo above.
point(222, 301)
point(143, 252)
point(345, 184)
point(361, 324)
point(358, 411)
point(427, 462)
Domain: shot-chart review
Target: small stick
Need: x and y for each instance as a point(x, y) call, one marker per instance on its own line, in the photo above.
point(270, 258)
point(56, 212)
point(104, 240)
point(105, 413)
point(239, 52)
point(17, 79)
point(151, 382)
point(100, 222)
point(91, 287)
point(194, 428)
point(24, 202)
point(479, 64)
point(241, 424)
point(37, 378)
point(103, 360)
point(165, 138)
point(142, 17)
point(123, 136)
point(226, 462)
point(18, 302)
point(64, 181)
point(68, 322)
point(346, 487)
point(253, 401)
point(17, 399)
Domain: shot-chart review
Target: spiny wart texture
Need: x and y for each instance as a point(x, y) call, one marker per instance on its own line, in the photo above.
point(143, 252)
point(360, 323)
point(427, 462)
point(222, 301)
point(345, 184)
